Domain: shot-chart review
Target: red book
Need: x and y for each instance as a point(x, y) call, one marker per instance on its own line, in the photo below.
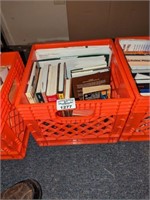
point(52, 98)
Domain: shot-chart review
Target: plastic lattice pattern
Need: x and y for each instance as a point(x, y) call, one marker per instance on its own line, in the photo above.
point(144, 126)
point(101, 129)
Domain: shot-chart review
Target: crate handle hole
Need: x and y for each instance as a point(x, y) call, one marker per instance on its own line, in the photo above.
point(75, 113)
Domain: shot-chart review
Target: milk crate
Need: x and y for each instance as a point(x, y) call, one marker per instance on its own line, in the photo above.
point(137, 127)
point(13, 132)
point(108, 117)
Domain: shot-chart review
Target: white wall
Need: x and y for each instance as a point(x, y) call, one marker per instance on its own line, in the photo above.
point(26, 22)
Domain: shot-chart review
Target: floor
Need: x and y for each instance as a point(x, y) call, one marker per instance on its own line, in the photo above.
point(102, 171)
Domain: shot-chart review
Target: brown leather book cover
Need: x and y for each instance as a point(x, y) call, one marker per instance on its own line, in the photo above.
point(90, 80)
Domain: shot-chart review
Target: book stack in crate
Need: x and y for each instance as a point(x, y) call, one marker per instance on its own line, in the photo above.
point(137, 55)
point(82, 73)
point(134, 53)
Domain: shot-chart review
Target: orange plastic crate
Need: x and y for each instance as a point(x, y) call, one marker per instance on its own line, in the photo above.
point(13, 132)
point(103, 126)
point(137, 127)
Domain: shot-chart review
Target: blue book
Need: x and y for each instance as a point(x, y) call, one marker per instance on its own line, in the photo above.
point(145, 90)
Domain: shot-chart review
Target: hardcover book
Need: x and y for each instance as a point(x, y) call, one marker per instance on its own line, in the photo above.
point(32, 84)
point(90, 80)
point(61, 80)
point(51, 92)
point(42, 83)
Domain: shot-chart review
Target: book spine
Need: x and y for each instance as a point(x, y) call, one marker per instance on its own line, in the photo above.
point(39, 97)
point(35, 81)
point(52, 98)
point(136, 52)
point(145, 94)
point(143, 86)
point(60, 96)
point(145, 90)
point(142, 81)
point(138, 67)
point(30, 98)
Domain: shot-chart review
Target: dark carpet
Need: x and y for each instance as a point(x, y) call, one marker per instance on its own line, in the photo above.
point(103, 171)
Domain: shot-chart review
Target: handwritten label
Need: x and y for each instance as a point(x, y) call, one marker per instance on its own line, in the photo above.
point(65, 104)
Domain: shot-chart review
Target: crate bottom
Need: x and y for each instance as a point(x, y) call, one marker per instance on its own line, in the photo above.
point(76, 142)
point(12, 157)
point(135, 138)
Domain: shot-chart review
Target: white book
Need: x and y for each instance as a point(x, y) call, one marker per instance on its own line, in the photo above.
point(142, 81)
point(97, 67)
point(31, 84)
point(51, 91)
point(137, 65)
point(49, 81)
point(66, 52)
point(89, 64)
point(140, 70)
point(31, 78)
point(85, 73)
point(145, 94)
point(141, 76)
point(67, 88)
point(91, 59)
point(138, 57)
point(61, 76)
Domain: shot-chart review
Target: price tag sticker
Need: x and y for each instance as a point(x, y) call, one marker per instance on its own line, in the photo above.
point(65, 104)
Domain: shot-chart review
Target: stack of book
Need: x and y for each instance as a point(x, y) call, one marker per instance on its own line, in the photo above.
point(47, 83)
point(137, 53)
point(62, 73)
point(95, 85)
